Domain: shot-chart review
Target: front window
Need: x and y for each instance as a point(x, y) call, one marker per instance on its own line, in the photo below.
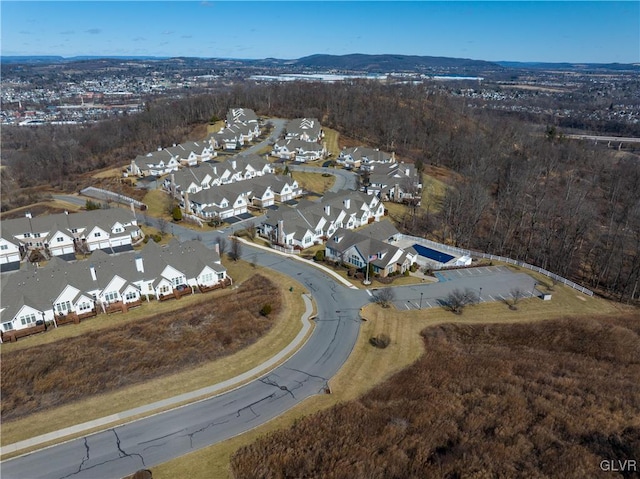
point(60, 239)
point(111, 296)
point(63, 307)
point(131, 295)
point(7, 326)
point(97, 234)
point(27, 319)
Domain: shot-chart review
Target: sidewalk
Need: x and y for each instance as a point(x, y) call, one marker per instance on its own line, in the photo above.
point(335, 275)
point(192, 396)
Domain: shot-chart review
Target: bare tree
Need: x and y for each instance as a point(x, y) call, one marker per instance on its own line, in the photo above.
point(457, 300)
point(384, 297)
point(516, 295)
point(222, 245)
point(163, 226)
point(236, 249)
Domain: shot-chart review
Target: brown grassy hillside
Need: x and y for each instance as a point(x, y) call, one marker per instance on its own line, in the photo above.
point(54, 374)
point(549, 399)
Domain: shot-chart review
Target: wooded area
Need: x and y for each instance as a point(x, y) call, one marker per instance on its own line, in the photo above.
point(544, 399)
point(519, 192)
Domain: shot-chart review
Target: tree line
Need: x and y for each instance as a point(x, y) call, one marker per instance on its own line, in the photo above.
point(561, 205)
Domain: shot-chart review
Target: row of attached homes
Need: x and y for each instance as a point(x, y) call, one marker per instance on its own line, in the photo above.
point(65, 234)
point(242, 126)
point(85, 288)
point(311, 223)
point(210, 174)
point(234, 199)
point(166, 160)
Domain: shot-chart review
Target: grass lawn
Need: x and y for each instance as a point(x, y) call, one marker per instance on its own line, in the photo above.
point(432, 193)
point(286, 328)
point(216, 127)
point(314, 182)
point(368, 366)
point(331, 138)
point(157, 201)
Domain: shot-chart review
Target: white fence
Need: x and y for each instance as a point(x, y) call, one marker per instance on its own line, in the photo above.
point(477, 254)
point(285, 250)
point(107, 195)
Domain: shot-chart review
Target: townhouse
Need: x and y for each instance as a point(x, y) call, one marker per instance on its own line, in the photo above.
point(63, 235)
point(209, 174)
point(106, 283)
point(364, 158)
point(299, 150)
point(311, 223)
point(233, 199)
point(397, 182)
point(305, 129)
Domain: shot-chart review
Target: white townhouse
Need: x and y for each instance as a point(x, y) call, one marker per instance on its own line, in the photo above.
point(364, 158)
point(397, 182)
point(9, 252)
point(63, 235)
point(104, 282)
point(306, 129)
point(157, 163)
point(299, 150)
point(312, 222)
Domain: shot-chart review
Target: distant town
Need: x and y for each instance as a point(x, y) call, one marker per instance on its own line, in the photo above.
point(90, 90)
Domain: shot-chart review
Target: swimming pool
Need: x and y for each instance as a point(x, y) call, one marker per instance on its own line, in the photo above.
point(432, 254)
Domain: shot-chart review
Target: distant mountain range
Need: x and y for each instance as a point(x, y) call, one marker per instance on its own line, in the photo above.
point(352, 62)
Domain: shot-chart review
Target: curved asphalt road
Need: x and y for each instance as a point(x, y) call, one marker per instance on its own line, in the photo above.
point(122, 450)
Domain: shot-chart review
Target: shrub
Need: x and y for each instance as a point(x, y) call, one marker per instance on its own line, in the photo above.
point(319, 255)
point(176, 213)
point(406, 272)
point(266, 310)
point(381, 341)
point(92, 205)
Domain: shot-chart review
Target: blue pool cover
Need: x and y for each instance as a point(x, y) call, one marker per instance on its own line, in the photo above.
point(432, 254)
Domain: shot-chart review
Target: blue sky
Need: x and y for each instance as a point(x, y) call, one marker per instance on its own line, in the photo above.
point(543, 31)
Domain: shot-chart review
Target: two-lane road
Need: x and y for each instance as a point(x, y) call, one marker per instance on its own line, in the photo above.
point(147, 442)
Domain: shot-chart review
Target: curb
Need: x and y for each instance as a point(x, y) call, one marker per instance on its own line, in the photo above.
point(209, 391)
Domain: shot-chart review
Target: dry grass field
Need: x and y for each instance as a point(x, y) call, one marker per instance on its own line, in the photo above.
point(313, 182)
point(50, 375)
point(546, 399)
point(368, 366)
point(194, 377)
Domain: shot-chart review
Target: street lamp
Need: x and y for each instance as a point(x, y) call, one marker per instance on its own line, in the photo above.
point(535, 283)
point(421, 300)
point(480, 295)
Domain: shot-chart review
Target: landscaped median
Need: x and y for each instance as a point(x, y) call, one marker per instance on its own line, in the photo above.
point(123, 405)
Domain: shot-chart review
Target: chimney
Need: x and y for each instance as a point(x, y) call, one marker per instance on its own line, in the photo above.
point(217, 248)
point(407, 171)
point(187, 204)
point(347, 203)
point(280, 232)
point(173, 184)
point(92, 270)
point(393, 157)
point(234, 164)
point(139, 264)
point(66, 212)
point(327, 210)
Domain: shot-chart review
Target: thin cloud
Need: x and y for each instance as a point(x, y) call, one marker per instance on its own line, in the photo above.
point(168, 32)
point(25, 32)
point(204, 3)
point(186, 36)
point(94, 31)
point(68, 32)
point(139, 39)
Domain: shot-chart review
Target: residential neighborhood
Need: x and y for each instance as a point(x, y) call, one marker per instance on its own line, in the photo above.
point(63, 291)
point(66, 234)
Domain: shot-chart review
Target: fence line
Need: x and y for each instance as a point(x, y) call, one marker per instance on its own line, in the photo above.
point(466, 252)
point(285, 250)
point(101, 194)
